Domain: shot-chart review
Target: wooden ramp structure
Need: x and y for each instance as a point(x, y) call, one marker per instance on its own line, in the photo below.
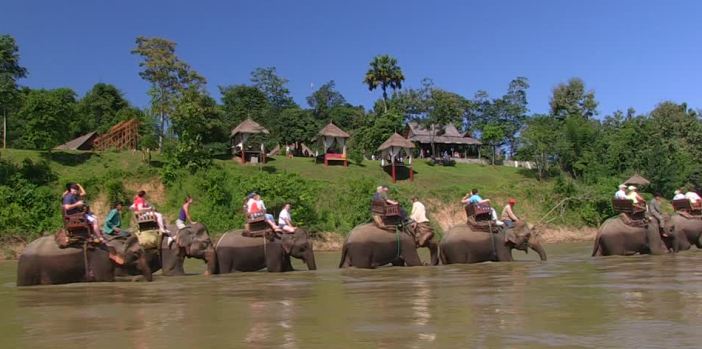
point(123, 136)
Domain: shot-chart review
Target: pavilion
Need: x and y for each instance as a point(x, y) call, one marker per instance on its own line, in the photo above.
point(450, 140)
point(240, 146)
point(392, 149)
point(332, 141)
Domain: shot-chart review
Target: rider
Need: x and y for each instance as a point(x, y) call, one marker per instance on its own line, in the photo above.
point(420, 222)
point(285, 220)
point(654, 209)
point(73, 203)
point(508, 216)
point(184, 214)
point(140, 204)
point(621, 193)
point(678, 195)
point(634, 196)
point(256, 206)
point(113, 222)
point(695, 200)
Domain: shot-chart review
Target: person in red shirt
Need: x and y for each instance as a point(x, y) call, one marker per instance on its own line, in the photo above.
point(140, 204)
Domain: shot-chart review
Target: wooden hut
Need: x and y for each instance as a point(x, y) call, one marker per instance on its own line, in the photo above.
point(391, 149)
point(332, 139)
point(445, 139)
point(637, 180)
point(239, 137)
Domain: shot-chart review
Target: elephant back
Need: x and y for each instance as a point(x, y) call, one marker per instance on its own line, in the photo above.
point(371, 232)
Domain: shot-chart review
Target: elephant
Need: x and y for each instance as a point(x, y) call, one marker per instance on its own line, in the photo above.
point(463, 245)
point(193, 241)
point(43, 263)
point(368, 246)
point(614, 237)
point(687, 232)
point(240, 253)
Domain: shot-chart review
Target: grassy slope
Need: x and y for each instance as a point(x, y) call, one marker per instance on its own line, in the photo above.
point(439, 187)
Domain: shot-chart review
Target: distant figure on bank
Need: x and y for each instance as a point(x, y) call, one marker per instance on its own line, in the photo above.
point(508, 216)
point(285, 220)
point(184, 214)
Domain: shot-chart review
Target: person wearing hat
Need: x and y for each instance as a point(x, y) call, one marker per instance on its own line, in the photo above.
point(635, 197)
point(678, 195)
point(621, 193)
point(695, 199)
point(508, 216)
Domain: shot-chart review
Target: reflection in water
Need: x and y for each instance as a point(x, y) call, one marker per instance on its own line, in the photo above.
point(570, 301)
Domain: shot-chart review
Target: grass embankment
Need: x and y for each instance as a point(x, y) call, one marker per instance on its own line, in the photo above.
point(329, 200)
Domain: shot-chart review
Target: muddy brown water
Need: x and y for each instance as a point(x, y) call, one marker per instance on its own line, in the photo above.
point(571, 301)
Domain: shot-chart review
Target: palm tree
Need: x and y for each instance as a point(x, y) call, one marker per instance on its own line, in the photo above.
point(384, 72)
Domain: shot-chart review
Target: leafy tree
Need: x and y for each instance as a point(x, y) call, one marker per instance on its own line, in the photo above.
point(540, 141)
point(375, 130)
point(571, 99)
point(169, 76)
point(273, 86)
point(46, 118)
point(10, 72)
point(493, 135)
point(384, 72)
point(324, 100)
point(197, 115)
point(346, 116)
point(100, 108)
point(296, 125)
point(515, 110)
point(240, 102)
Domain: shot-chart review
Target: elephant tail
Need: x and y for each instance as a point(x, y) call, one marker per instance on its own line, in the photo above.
point(344, 257)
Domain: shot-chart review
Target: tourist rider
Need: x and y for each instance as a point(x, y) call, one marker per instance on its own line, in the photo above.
point(140, 204)
point(508, 216)
point(285, 219)
point(474, 198)
point(621, 193)
point(420, 222)
point(113, 222)
point(695, 200)
point(654, 209)
point(255, 206)
point(73, 203)
point(184, 214)
point(634, 196)
point(678, 195)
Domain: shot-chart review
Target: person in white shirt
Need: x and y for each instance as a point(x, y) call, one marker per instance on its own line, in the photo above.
point(621, 194)
point(695, 199)
point(679, 195)
point(420, 224)
point(285, 220)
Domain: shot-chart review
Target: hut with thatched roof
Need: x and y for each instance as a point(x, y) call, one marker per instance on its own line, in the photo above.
point(392, 149)
point(239, 137)
point(84, 142)
point(445, 139)
point(637, 180)
point(332, 141)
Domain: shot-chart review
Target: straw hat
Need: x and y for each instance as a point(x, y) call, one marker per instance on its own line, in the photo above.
point(631, 187)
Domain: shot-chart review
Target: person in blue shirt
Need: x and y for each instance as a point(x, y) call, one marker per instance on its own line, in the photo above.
point(474, 198)
point(113, 222)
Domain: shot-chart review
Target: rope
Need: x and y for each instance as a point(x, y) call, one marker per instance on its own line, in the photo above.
point(85, 260)
point(492, 239)
point(399, 246)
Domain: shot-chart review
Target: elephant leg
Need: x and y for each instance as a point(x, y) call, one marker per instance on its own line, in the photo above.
point(433, 252)
point(345, 261)
point(409, 253)
point(442, 256)
point(275, 258)
point(398, 262)
point(172, 259)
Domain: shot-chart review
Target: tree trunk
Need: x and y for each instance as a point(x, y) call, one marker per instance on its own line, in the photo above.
point(385, 99)
point(161, 131)
point(494, 149)
point(4, 129)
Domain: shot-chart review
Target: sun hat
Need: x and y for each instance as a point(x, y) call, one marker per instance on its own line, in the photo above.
point(631, 187)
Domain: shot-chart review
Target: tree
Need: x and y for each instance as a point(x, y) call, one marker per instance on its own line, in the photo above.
point(100, 108)
point(197, 116)
point(168, 75)
point(296, 125)
point(515, 110)
point(571, 99)
point(540, 141)
point(10, 72)
point(273, 86)
point(493, 135)
point(325, 99)
point(384, 72)
point(241, 101)
point(46, 118)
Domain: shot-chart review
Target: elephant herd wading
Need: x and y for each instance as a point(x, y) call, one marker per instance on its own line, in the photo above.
point(366, 246)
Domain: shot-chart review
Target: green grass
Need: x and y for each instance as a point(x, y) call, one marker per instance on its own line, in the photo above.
point(442, 186)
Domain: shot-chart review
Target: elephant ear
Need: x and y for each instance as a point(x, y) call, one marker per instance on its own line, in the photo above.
point(185, 237)
point(511, 236)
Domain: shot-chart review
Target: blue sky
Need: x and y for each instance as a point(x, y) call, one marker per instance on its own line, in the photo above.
point(631, 53)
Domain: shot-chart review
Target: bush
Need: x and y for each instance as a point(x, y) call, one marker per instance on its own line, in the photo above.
point(356, 155)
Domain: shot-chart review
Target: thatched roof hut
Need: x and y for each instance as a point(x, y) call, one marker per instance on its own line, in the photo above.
point(248, 126)
point(332, 130)
point(392, 147)
point(240, 135)
point(637, 180)
point(396, 141)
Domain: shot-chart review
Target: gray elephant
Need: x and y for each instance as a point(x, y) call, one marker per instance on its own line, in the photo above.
point(686, 231)
point(614, 237)
point(461, 244)
point(43, 263)
point(193, 241)
point(368, 246)
point(240, 253)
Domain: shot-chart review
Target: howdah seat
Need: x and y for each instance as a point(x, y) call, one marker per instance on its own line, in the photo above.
point(684, 207)
point(148, 232)
point(256, 225)
point(385, 216)
point(631, 214)
point(479, 217)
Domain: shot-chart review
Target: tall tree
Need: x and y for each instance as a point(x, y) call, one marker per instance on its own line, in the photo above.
point(324, 100)
point(100, 108)
point(571, 99)
point(273, 86)
point(169, 76)
point(241, 101)
point(10, 72)
point(515, 110)
point(384, 72)
point(46, 118)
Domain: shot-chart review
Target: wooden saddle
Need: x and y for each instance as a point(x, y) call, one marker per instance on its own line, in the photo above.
point(385, 216)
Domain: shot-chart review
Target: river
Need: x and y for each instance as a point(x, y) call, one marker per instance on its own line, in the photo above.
point(570, 301)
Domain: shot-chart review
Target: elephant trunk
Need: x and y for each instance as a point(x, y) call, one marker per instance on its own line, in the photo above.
point(143, 265)
point(211, 259)
point(309, 260)
point(538, 248)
